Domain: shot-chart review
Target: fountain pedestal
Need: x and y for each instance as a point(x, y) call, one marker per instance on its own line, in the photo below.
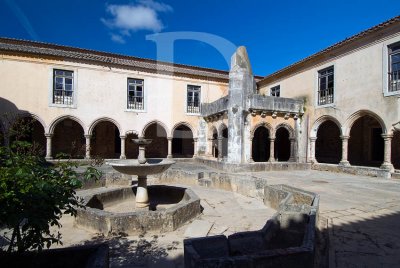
point(142, 196)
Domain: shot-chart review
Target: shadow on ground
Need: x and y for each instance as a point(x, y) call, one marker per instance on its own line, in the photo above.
point(140, 252)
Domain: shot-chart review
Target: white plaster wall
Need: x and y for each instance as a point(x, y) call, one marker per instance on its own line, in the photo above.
point(100, 92)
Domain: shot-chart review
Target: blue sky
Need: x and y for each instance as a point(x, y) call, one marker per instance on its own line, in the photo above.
point(276, 33)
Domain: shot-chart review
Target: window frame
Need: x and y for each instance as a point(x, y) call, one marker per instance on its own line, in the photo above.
point(143, 109)
point(191, 111)
point(390, 66)
point(328, 96)
point(274, 89)
point(51, 83)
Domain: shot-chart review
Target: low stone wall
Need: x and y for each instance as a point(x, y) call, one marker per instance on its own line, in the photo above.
point(355, 170)
point(252, 167)
point(95, 218)
point(287, 240)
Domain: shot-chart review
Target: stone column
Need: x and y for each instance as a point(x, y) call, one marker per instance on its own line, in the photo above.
point(210, 147)
point(122, 156)
point(251, 150)
point(312, 149)
point(387, 161)
point(87, 146)
point(220, 148)
point(345, 142)
point(48, 145)
point(271, 150)
point(169, 147)
point(195, 152)
point(292, 157)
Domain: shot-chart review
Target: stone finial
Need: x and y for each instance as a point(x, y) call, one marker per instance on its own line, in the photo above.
point(240, 60)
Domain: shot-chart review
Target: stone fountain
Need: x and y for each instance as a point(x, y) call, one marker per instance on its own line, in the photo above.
point(141, 167)
point(138, 208)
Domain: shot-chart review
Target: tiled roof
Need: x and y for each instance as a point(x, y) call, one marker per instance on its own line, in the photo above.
point(298, 65)
point(31, 48)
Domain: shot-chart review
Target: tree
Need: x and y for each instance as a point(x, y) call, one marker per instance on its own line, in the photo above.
point(35, 194)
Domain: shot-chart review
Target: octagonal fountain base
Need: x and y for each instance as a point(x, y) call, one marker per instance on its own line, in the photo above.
point(113, 211)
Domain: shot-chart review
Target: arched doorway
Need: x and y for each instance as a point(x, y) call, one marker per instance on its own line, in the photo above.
point(261, 145)
point(68, 139)
point(158, 148)
point(105, 141)
point(282, 145)
point(396, 149)
point(30, 130)
point(131, 148)
point(328, 146)
point(366, 145)
point(182, 142)
point(224, 141)
point(214, 143)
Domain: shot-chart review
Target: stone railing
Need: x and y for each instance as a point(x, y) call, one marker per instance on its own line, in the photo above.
point(215, 107)
point(276, 104)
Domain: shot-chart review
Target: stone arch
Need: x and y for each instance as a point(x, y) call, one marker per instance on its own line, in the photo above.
point(262, 124)
point(320, 121)
point(155, 122)
point(220, 128)
point(34, 116)
point(69, 137)
point(182, 141)
point(366, 144)
point(61, 118)
point(156, 131)
point(103, 119)
point(105, 138)
point(283, 134)
point(357, 115)
point(288, 128)
point(328, 144)
point(211, 130)
point(184, 124)
point(260, 136)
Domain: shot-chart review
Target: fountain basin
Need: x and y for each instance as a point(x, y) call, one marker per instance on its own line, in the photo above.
point(133, 167)
point(105, 214)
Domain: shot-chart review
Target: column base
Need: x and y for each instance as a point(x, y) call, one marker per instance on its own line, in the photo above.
point(169, 156)
point(49, 158)
point(292, 159)
point(387, 166)
point(122, 157)
point(344, 163)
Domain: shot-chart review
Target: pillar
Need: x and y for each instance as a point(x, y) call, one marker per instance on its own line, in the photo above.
point(272, 150)
point(195, 146)
point(251, 150)
point(292, 157)
point(210, 147)
point(387, 162)
point(169, 147)
point(345, 142)
point(312, 149)
point(48, 146)
point(220, 148)
point(87, 146)
point(122, 156)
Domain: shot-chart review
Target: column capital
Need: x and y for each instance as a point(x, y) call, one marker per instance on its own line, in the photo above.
point(87, 136)
point(122, 137)
point(169, 138)
point(313, 138)
point(292, 139)
point(344, 137)
point(48, 135)
point(195, 139)
point(386, 136)
point(220, 138)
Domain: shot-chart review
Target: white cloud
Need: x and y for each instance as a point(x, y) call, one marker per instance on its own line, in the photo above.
point(142, 15)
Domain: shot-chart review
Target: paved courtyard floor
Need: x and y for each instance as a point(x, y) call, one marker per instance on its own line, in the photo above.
point(363, 215)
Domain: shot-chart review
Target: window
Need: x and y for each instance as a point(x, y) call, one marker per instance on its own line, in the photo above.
point(63, 88)
point(394, 68)
point(193, 99)
point(276, 91)
point(135, 94)
point(325, 86)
